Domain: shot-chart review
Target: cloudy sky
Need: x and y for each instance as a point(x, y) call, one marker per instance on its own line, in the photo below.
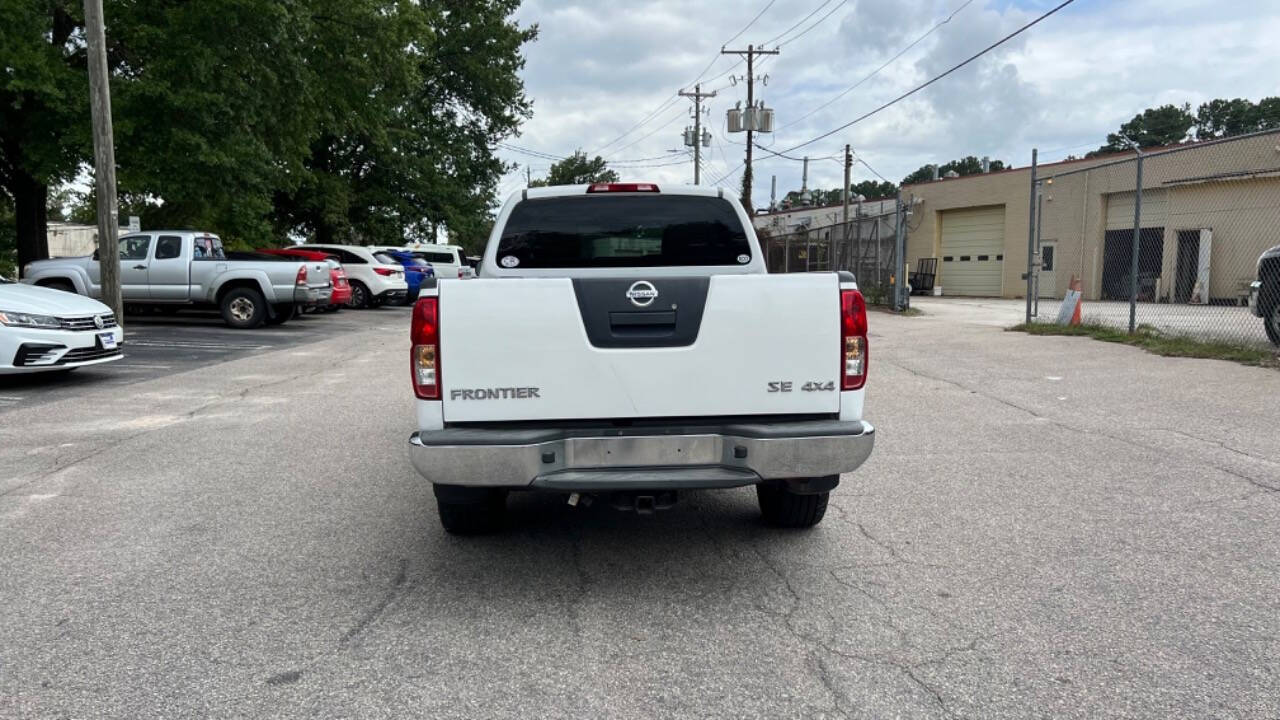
point(599, 68)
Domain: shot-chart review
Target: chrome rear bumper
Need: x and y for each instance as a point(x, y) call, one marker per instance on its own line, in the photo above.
point(647, 457)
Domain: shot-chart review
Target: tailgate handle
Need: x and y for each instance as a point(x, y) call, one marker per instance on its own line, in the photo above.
point(624, 323)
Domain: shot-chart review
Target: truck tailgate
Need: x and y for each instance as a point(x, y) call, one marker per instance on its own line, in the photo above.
point(560, 348)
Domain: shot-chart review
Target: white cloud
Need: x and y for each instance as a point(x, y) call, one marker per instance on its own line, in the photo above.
point(599, 67)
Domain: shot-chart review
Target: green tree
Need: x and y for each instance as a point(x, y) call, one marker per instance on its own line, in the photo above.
point(404, 141)
point(345, 119)
point(1223, 118)
point(1153, 127)
point(44, 101)
point(578, 170)
point(872, 189)
point(969, 165)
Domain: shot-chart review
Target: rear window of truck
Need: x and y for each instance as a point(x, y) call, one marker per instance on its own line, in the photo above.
point(623, 231)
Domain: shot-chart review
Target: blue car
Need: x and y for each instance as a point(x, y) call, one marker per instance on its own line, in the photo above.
point(415, 270)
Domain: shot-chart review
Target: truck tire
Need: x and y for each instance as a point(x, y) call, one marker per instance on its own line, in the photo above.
point(284, 313)
point(360, 296)
point(783, 508)
point(471, 511)
point(243, 308)
point(1272, 324)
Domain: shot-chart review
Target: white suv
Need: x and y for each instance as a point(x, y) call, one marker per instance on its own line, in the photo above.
point(375, 277)
point(446, 260)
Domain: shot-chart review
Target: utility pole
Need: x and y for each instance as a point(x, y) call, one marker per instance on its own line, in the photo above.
point(848, 165)
point(528, 176)
point(104, 158)
point(750, 54)
point(1031, 230)
point(697, 96)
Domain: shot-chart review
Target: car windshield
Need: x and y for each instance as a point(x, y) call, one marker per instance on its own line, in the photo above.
point(623, 231)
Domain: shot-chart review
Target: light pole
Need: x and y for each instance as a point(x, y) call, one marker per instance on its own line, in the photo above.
point(1137, 234)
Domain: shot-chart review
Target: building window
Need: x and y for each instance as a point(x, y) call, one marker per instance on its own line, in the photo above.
point(964, 258)
point(999, 258)
point(948, 259)
point(983, 258)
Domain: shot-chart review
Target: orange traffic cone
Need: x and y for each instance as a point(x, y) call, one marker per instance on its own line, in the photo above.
point(1077, 287)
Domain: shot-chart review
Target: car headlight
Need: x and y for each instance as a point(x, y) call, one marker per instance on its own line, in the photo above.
point(27, 320)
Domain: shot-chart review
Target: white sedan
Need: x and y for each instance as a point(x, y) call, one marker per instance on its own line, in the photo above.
point(45, 330)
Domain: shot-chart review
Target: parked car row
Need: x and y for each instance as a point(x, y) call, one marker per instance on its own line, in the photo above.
point(171, 270)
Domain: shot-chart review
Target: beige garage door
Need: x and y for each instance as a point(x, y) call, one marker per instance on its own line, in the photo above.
point(972, 251)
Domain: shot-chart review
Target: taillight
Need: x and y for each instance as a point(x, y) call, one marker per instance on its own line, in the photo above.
point(853, 340)
point(385, 272)
point(424, 360)
point(301, 279)
point(622, 187)
point(461, 273)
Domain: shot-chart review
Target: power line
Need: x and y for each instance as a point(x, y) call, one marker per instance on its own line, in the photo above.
point(753, 22)
point(532, 153)
point(652, 113)
point(816, 24)
point(800, 22)
point(934, 79)
point(655, 157)
point(556, 158)
point(874, 172)
point(667, 103)
point(886, 64)
point(664, 125)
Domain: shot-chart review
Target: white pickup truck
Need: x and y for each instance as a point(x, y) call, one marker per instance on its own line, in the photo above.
point(626, 341)
point(173, 269)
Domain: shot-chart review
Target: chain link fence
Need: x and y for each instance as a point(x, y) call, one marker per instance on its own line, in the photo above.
point(866, 246)
point(1167, 240)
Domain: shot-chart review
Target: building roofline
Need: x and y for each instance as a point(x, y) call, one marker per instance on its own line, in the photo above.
point(819, 207)
point(1104, 158)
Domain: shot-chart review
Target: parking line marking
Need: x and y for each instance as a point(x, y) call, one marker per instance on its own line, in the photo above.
point(189, 345)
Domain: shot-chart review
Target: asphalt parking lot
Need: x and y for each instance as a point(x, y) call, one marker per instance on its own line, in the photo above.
point(1048, 527)
point(160, 345)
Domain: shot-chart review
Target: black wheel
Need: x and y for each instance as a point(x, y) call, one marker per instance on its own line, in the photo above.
point(1272, 323)
point(360, 295)
point(284, 313)
point(784, 508)
point(62, 285)
point(243, 308)
point(471, 511)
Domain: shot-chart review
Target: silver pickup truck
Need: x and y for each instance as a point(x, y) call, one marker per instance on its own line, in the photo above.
point(173, 269)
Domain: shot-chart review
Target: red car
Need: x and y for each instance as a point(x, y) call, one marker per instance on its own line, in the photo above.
point(338, 276)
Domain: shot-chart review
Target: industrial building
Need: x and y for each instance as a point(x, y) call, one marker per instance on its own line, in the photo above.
point(1208, 210)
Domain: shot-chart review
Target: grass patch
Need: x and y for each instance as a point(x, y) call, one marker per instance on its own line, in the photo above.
point(1152, 340)
point(909, 312)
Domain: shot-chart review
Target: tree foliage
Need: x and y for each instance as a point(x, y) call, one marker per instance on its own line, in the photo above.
point(969, 165)
point(1172, 124)
point(1164, 125)
point(348, 120)
point(1224, 118)
point(577, 170)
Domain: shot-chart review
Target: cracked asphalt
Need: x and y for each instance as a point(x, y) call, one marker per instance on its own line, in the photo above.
point(1048, 527)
